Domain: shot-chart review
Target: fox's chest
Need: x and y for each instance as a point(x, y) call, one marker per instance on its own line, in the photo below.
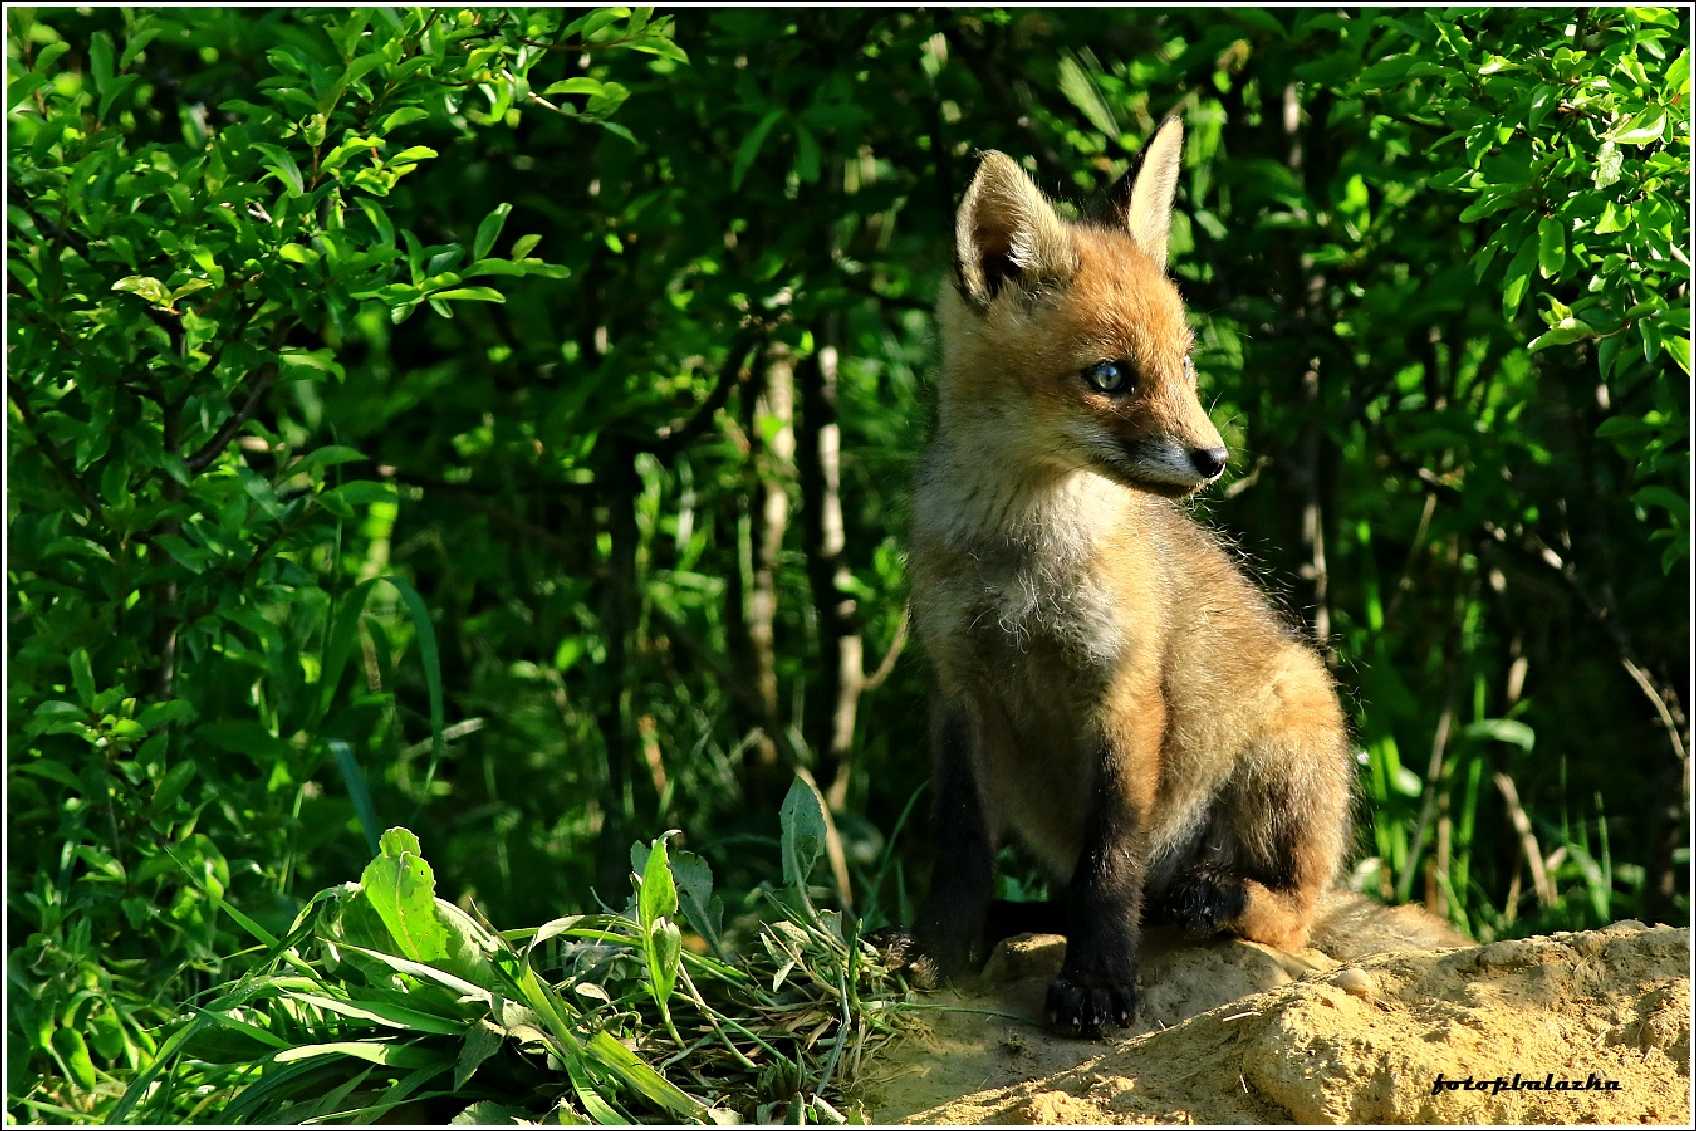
point(1029, 643)
point(1039, 635)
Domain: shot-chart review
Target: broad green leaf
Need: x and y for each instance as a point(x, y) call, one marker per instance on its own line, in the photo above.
point(482, 1041)
point(470, 294)
point(1609, 163)
point(1551, 247)
point(1642, 128)
point(376, 1052)
point(803, 826)
point(1501, 730)
point(82, 676)
point(1080, 90)
point(401, 886)
point(658, 893)
point(144, 286)
point(489, 231)
point(1518, 277)
point(749, 149)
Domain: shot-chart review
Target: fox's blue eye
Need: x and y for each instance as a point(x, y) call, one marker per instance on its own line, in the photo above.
point(1109, 376)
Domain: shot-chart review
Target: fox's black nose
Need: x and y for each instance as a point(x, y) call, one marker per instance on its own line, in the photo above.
point(1209, 461)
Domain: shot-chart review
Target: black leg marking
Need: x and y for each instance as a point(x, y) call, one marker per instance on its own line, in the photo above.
point(1202, 904)
point(1098, 984)
point(951, 924)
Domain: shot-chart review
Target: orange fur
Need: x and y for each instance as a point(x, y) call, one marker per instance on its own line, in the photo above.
point(1067, 599)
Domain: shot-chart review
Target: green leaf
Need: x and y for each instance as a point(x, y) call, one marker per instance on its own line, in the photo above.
point(1551, 247)
point(171, 787)
point(73, 1054)
point(694, 878)
point(405, 116)
point(165, 712)
point(1518, 277)
point(82, 675)
point(383, 1013)
point(402, 888)
point(353, 776)
point(484, 1113)
point(1565, 332)
point(481, 1042)
point(667, 949)
point(1679, 347)
point(580, 84)
point(1677, 77)
point(1609, 163)
point(1501, 730)
point(641, 1076)
point(376, 1052)
point(470, 294)
point(1643, 128)
point(489, 231)
point(282, 165)
point(802, 820)
point(144, 286)
point(100, 60)
point(1080, 90)
point(428, 656)
point(659, 893)
point(749, 149)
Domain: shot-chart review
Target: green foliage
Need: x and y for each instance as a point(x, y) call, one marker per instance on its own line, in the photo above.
point(420, 417)
point(188, 246)
point(350, 1018)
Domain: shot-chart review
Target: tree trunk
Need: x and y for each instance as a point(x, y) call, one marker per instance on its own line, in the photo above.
point(835, 695)
point(772, 461)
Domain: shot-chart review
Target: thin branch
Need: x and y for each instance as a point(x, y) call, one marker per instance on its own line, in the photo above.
point(19, 398)
point(887, 665)
point(261, 380)
point(673, 438)
point(1527, 840)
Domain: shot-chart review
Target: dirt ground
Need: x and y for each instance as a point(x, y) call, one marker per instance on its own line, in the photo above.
point(1233, 1032)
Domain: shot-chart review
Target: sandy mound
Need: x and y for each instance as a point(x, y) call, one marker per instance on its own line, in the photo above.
point(1238, 1033)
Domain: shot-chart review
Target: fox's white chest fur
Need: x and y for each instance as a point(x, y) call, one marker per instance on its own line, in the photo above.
point(1014, 613)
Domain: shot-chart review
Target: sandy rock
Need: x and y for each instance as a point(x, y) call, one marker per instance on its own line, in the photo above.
point(1232, 1032)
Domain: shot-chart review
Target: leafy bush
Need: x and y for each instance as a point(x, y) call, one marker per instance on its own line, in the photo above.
point(195, 552)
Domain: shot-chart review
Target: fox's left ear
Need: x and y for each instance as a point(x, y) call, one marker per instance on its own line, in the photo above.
point(1143, 196)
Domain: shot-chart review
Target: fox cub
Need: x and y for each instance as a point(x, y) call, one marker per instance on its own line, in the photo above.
point(1111, 689)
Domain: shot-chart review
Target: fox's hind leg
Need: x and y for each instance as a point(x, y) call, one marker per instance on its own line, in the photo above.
point(1280, 826)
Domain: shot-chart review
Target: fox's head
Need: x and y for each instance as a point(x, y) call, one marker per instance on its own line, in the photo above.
point(1064, 345)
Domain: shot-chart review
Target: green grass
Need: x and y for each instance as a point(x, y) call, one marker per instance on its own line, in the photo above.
point(383, 1002)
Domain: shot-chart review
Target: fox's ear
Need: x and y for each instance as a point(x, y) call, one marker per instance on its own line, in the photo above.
point(1143, 196)
point(1007, 232)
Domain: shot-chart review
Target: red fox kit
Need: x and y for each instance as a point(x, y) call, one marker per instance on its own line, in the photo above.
point(1111, 689)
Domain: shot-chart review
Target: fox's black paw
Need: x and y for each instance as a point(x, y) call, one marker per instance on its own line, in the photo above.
point(900, 951)
point(1203, 905)
point(1080, 1007)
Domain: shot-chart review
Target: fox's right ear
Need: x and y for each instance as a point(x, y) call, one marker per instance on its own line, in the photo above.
point(1007, 232)
point(1143, 197)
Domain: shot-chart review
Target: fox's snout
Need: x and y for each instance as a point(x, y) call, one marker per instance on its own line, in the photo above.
point(1210, 462)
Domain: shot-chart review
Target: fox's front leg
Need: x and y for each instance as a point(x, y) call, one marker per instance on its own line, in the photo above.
point(951, 924)
point(1097, 985)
